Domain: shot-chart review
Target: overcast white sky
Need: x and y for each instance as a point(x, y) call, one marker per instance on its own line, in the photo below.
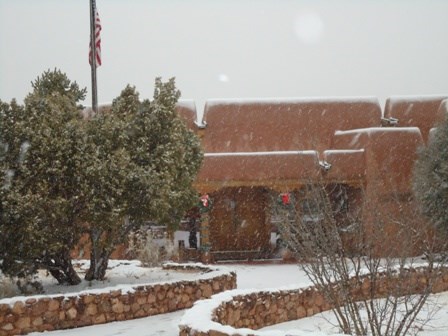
point(232, 48)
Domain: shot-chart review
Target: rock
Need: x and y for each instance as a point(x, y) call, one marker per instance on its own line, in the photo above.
point(151, 298)
point(18, 308)
point(38, 321)
point(8, 327)
point(216, 333)
point(88, 299)
point(141, 300)
point(207, 290)
point(118, 308)
point(216, 286)
point(10, 318)
point(23, 322)
point(53, 305)
point(301, 312)
point(39, 308)
point(91, 309)
point(72, 313)
point(161, 295)
point(115, 293)
point(99, 319)
point(104, 306)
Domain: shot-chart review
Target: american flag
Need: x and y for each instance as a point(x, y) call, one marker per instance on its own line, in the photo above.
point(97, 41)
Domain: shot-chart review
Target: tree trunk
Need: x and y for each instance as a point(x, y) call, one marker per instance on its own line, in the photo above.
point(98, 265)
point(61, 268)
point(99, 257)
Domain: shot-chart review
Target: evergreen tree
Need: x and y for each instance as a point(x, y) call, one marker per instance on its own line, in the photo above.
point(431, 178)
point(151, 160)
point(108, 176)
point(63, 175)
point(13, 148)
point(44, 203)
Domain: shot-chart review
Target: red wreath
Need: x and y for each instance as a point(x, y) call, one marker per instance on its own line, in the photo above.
point(285, 198)
point(205, 200)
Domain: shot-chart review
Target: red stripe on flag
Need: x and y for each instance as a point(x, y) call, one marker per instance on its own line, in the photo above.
point(97, 41)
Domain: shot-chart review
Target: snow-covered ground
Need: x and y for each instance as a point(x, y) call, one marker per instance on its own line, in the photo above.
point(436, 308)
point(250, 277)
point(120, 273)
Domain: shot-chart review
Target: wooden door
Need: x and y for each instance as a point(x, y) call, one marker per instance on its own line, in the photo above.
point(238, 220)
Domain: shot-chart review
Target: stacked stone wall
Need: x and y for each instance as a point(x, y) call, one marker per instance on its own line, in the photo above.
point(43, 313)
point(261, 309)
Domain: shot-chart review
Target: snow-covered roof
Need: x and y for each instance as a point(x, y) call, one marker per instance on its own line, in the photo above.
point(284, 124)
point(290, 100)
point(343, 151)
point(372, 130)
point(306, 152)
point(187, 103)
point(416, 98)
point(420, 111)
point(270, 169)
point(347, 165)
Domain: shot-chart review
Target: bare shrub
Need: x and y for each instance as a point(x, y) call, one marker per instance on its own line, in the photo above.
point(169, 250)
point(30, 285)
point(346, 256)
point(7, 287)
point(144, 247)
point(12, 286)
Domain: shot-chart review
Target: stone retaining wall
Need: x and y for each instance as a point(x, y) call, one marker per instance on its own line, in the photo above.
point(60, 312)
point(256, 310)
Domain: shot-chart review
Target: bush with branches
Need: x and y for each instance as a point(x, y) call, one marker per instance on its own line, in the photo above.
point(337, 249)
point(143, 246)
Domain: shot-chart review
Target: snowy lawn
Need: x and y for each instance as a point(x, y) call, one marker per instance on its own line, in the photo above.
point(122, 273)
point(250, 277)
point(436, 307)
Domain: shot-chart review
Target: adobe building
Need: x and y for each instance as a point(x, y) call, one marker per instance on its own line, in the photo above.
point(257, 149)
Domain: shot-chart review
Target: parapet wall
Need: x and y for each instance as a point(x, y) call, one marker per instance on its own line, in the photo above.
point(240, 314)
point(44, 313)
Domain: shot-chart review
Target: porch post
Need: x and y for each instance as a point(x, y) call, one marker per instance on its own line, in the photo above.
point(205, 205)
point(205, 239)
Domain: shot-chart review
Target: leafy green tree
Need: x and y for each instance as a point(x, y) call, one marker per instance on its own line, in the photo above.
point(431, 178)
point(147, 161)
point(44, 198)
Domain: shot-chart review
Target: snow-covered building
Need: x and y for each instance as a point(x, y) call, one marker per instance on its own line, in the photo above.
point(258, 149)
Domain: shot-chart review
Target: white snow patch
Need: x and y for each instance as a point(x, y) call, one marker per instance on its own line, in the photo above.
point(290, 100)
point(122, 275)
point(200, 316)
point(414, 98)
point(432, 134)
point(248, 276)
point(326, 322)
point(372, 130)
point(343, 151)
point(187, 103)
point(305, 152)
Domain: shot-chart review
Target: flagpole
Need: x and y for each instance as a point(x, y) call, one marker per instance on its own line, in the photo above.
point(93, 59)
